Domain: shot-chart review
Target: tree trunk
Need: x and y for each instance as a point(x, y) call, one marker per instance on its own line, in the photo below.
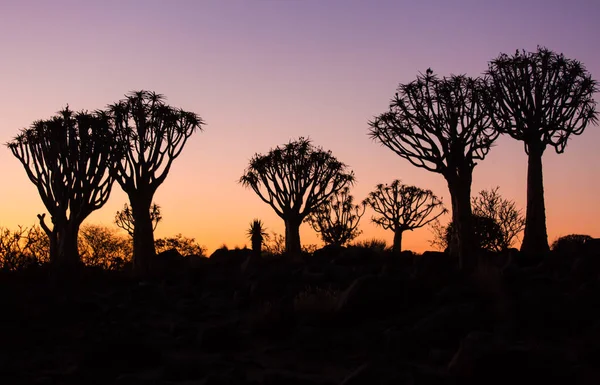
point(535, 238)
point(143, 234)
point(257, 245)
point(67, 251)
point(292, 236)
point(462, 242)
point(397, 247)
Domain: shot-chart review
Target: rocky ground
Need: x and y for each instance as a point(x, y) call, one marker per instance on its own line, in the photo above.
point(350, 317)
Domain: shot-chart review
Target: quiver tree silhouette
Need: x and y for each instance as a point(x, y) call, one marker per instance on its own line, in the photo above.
point(401, 208)
point(68, 159)
point(156, 134)
point(504, 212)
point(442, 125)
point(540, 98)
point(336, 220)
point(124, 218)
point(294, 179)
point(257, 234)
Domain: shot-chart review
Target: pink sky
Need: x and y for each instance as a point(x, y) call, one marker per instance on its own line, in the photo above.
point(263, 72)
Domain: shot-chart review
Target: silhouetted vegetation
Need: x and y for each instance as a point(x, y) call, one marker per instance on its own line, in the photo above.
point(487, 234)
point(336, 220)
point(185, 246)
point(23, 248)
point(442, 125)
point(570, 244)
point(540, 98)
point(257, 234)
point(156, 134)
point(294, 180)
point(124, 218)
point(104, 247)
point(68, 159)
point(403, 208)
point(490, 204)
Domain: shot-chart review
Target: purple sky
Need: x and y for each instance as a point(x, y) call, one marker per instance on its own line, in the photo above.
point(262, 72)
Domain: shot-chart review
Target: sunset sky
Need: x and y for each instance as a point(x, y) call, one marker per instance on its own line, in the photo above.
point(262, 72)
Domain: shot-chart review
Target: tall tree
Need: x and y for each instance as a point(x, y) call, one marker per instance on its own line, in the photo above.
point(442, 125)
point(337, 219)
point(156, 134)
point(540, 98)
point(401, 208)
point(295, 179)
point(68, 159)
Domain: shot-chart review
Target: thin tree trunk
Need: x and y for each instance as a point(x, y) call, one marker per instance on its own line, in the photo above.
point(292, 236)
point(397, 247)
point(143, 235)
point(535, 238)
point(462, 242)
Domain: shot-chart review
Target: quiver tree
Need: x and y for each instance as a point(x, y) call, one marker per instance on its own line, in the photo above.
point(401, 208)
point(540, 98)
point(294, 179)
point(124, 218)
point(336, 220)
point(68, 158)
point(441, 125)
point(257, 234)
point(156, 134)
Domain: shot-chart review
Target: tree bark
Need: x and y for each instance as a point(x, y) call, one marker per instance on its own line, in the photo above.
point(143, 234)
point(67, 251)
point(397, 247)
point(462, 244)
point(535, 238)
point(292, 236)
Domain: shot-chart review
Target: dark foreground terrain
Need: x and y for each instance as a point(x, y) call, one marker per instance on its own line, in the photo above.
point(350, 317)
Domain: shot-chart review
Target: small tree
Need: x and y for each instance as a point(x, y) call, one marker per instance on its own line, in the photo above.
point(185, 246)
point(257, 234)
point(102, 246)
point(294, 180)
point(156, 134)
point(68, 159)
point(540, 98)
point(336, 220)
point(124, 219)
point(401, 208)
point(504, 212)
point(442, 125)
point(487, 234)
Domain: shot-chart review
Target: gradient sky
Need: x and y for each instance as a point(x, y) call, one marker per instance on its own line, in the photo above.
point(262, 72)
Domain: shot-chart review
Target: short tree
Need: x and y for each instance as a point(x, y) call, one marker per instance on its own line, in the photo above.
point(401, 208)
point(487, 234)
point(336, 220)
point(442, 125)
point(185, 246)
point(124, 218)
point(540, 98)
point(504, 212)
point(257, 234)
point(156, 134)
point(294, 180)
point(68, 159)
point(103, 247)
